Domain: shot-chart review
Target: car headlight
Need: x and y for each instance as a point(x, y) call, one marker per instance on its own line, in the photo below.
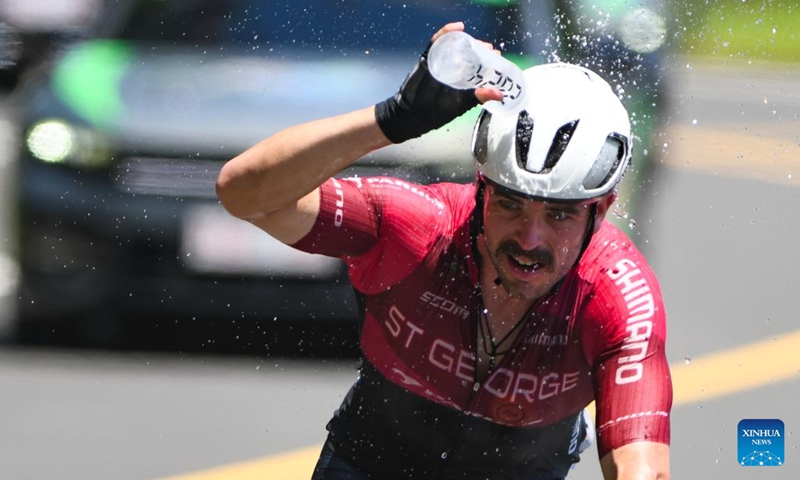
point(56, 141)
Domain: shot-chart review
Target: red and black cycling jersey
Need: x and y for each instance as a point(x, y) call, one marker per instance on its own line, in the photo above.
point(599, 336)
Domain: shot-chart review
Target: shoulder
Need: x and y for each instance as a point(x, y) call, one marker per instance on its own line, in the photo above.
point(613, 259)
point(395, 196)
point(412, 221)
point(394, 185)
point(458, 198)
point(624, 292)
point(436, 193)
point(435, 208)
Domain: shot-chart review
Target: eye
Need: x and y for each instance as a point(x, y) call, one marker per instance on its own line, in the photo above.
point(559, 215)
point(508, 204)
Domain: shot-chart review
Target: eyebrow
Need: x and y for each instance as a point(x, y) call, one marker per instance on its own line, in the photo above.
point(560, 207)
point(507, 196)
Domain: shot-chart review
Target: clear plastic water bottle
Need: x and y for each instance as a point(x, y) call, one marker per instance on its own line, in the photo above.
point(458, 60)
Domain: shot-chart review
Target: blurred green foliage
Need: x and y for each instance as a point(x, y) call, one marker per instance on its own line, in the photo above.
point(739, 29)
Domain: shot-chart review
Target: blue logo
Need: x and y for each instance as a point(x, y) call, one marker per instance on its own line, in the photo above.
point(761, 443)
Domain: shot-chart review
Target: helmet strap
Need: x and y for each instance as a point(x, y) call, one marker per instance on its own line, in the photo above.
point(587, 237)
point(476, 222)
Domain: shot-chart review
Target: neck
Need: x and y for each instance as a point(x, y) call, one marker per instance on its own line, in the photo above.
point(501, 306)
point(500, 323)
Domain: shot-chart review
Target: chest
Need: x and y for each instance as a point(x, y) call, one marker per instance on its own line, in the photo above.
point(425, 335)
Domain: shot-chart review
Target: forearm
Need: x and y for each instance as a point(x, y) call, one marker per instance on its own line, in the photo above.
point(637, 461)
point(283, 168)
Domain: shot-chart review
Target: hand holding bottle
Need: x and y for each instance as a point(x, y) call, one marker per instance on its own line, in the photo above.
point(425, 103)
point(459, 60)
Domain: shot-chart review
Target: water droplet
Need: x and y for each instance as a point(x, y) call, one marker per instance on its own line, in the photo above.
point(687, 360)
point(632, 224)
point(694, 122)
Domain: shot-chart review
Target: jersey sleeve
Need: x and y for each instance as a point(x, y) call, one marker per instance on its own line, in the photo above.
point(381, 227)
point(624, 341)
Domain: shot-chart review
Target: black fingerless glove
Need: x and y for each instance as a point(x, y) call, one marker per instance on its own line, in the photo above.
point(422, 104)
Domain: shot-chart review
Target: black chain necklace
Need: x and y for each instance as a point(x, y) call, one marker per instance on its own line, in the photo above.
point(491, 346)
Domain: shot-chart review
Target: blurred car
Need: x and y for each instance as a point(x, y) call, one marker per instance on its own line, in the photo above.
point(124, 134)
point(31, 30)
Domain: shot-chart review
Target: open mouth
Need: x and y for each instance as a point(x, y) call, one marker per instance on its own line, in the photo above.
point(525, 264)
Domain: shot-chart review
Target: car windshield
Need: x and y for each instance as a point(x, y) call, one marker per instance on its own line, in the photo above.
point(332, 26)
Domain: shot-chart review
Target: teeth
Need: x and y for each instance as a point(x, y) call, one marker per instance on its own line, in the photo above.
point(526, 263)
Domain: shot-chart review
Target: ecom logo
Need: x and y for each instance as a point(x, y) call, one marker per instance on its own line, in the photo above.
point(761, 443)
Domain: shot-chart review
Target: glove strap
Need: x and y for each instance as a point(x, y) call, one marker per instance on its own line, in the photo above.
point(422, 104)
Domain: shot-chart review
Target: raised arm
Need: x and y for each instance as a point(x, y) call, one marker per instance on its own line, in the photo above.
point(274, 184)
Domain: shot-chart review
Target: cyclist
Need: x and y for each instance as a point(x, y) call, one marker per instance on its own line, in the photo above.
point(494, 312)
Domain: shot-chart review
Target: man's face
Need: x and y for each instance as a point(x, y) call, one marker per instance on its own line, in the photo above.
point(532, 244)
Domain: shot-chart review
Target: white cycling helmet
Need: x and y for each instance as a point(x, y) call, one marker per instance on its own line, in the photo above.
point(570, 143)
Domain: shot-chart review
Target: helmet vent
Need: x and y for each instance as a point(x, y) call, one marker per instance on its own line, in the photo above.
point(524, 133)
point(612, 154)
point(480, 138)
point(559, 145)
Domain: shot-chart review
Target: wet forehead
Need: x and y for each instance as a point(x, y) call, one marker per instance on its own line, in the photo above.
point(547, 205)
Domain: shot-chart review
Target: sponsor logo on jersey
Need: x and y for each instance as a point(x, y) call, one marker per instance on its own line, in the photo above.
point(545, 340)
point(444, 305)
point(639, 324)
point(511, 385)
point(510, 413)
point(576, 433)
point(338, 215)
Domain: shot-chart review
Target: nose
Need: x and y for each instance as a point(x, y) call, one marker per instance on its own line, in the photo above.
point(532, 231)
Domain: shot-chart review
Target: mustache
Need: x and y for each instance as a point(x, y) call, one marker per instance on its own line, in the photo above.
point(537, 255)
